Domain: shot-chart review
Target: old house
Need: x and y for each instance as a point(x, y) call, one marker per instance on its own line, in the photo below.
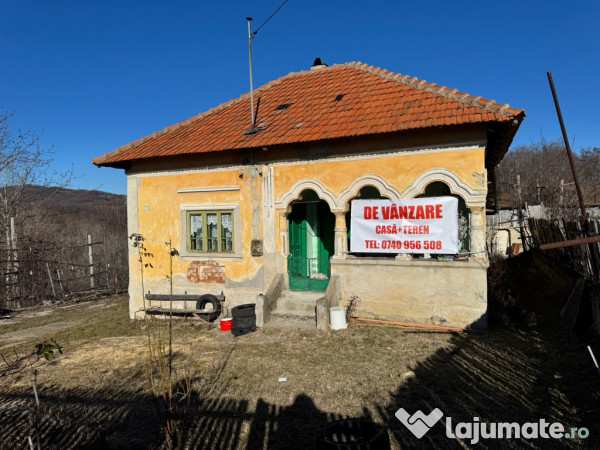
point(258, 210)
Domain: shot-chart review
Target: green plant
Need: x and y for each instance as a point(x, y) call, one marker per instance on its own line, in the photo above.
point(48, 349)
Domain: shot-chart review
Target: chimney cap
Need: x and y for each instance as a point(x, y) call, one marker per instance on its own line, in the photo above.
point(318, 64)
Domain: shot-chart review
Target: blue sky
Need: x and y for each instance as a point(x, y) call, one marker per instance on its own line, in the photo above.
point(91, 76)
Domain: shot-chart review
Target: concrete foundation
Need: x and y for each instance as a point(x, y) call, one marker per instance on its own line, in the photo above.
point(451, 293)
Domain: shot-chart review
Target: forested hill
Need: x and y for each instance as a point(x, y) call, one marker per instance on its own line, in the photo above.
point(72, 199)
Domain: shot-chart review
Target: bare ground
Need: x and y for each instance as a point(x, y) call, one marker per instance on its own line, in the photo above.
point(96, 394)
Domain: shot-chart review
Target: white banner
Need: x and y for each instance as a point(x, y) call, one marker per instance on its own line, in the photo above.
point(415, 225)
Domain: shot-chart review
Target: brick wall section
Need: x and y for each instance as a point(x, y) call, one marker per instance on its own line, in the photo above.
point(206, 272)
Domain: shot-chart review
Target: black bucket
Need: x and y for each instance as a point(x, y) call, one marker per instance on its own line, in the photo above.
point(243, 319)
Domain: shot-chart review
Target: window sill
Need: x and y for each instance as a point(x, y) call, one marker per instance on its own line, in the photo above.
point(205, 255)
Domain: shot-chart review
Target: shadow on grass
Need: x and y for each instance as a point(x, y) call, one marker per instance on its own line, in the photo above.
point(503, 376)
point(122, 419)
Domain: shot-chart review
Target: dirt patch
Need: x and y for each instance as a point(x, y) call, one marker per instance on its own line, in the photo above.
point(69, 323)
point(34, 333)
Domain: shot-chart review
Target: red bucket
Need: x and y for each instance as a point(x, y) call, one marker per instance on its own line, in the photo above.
point(225, 325)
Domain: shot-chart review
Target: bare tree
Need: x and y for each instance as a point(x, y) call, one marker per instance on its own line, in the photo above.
point(44, 227)
point(545, 177)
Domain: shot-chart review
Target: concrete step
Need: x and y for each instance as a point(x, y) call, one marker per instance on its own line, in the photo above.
point(291, 321)
point(297, 303)
point(302, 295)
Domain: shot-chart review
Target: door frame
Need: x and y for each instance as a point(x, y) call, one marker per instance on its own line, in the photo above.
point(299, 264)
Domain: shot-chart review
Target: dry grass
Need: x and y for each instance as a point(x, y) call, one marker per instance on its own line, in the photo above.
point(76, 323)
point(98, 387)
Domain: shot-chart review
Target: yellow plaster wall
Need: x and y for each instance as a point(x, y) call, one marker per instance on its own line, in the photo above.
point(159, 203)
point(400, 170)
point(159, 212)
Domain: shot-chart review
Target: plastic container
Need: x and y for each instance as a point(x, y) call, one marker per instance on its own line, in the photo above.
point(337, 318)
point(225, 324)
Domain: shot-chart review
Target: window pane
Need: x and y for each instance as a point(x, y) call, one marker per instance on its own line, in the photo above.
point(196, 232)
point(213, 240)
point(226, 232)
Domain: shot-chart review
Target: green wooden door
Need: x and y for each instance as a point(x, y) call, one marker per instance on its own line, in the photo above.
point(311, 228)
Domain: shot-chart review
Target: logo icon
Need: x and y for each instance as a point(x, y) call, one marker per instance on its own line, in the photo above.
point(419, 423)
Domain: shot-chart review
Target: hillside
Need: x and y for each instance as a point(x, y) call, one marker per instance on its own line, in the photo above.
point(52, 226)
point(72, 199)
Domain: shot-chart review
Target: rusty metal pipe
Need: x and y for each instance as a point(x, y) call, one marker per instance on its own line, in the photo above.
point(571, 243)
point(565, 137)
point(563, 129)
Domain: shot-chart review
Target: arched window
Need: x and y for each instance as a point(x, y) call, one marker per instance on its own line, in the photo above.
point(439, 189)
point(365, 193)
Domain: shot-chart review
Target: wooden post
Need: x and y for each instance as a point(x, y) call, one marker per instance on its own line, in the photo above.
point(562, 194)
point(13, 243)
point(91, 261)
point(520, 213)
point(64, 283)
point(51, 282)
point(62, 290)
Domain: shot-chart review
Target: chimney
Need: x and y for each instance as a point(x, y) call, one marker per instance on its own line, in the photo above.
point(318, 64)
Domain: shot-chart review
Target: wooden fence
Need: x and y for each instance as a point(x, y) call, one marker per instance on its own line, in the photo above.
point(585, 259)
point(35, 272)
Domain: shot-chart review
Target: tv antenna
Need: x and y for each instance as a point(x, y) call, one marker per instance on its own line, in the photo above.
point(251, 36)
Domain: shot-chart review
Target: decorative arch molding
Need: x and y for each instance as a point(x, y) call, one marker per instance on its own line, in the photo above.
point(314, 185)
point(472, 197)
point(384, 188)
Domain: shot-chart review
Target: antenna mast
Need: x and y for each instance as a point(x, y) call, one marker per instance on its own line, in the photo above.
point(251, 35)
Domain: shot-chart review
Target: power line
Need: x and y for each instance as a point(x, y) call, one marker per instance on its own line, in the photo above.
point(271, 16)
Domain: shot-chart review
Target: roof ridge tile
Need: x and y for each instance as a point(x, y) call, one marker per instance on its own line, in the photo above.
point(417, 83)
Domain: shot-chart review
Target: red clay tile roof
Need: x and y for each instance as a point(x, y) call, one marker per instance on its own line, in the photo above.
point(374, 101)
